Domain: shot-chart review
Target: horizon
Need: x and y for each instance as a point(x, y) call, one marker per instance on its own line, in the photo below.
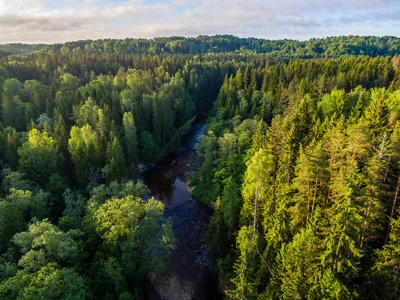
point(47, 22)
point(195, 37)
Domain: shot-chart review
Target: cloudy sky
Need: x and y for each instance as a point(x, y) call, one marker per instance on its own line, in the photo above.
point(47, 21)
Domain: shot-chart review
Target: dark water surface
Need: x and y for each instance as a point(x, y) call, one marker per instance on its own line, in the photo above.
point(167, 180)
point(188, 262)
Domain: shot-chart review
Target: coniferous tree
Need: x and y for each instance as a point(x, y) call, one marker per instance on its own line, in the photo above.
point(387, 263)
point(298, 271)
point(116, 159)
point(12, 114)
point(11, 153)
point(346, 218)
point(259, 139)
point(376, 114)
point(374, 193)
point(131, 143)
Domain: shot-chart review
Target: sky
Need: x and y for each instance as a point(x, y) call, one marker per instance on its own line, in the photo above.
point(48, 21)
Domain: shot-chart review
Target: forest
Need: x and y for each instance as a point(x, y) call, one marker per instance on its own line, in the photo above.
point(299, 160)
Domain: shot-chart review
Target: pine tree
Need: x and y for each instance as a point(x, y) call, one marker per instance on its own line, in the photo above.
point(230, 204)
point(12, 114)
point(357, 143)
point(11, 153)
point(252, 87)
point(246, 78)
point(39, 99)
point(216, 236)
point(335, 143)
point(239, 80)
point(376, 114)
point(393, 156)
point(131, 144)
point(298, 131)
point(374, 195)
point(50, 100)
point(276, 141)
point(3, 143)
point(264, 85)
point(163, 119)
point(259, 138)
point(116, 159)
point(246, 279)
point(387, 264)
point(61, 135)
point(346, 218)
point(310, 184)
point(298, 271)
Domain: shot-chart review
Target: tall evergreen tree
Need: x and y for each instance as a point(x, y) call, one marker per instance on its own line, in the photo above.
point(11, 153)
point(131, 144)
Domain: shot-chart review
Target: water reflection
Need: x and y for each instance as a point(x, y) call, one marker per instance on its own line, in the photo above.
point(170, 189)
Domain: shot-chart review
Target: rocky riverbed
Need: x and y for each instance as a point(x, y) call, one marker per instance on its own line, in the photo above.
point(191, 275)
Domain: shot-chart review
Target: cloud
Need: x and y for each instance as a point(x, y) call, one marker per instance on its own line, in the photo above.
point(45, 21)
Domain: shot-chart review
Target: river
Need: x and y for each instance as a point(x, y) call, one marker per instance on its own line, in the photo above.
point(191, 276)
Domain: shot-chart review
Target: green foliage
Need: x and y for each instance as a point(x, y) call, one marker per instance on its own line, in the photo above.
point(43, 243)
point(136, 238)
point(56, 187)
point(376, 114)
point(298, 270)
point(131, 143)
point(387, 264)
point(256, 186)
point(11, 222)
point(12, 114)
point(14, 180)
point(216, 236)
point(49, 282)
point(83, 147)
point(230, 204)
point(45, 266)
point(149, 148)
point(162, 119)
point(246, 278)
point(12, 85)
point(11, 154)
point(18, 48)
point(327, 47)
point(30, 204)
point(39, 157)
point(116, 159)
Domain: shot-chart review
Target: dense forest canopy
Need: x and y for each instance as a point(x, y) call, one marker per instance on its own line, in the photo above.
point(313, 48)
point(300, 159)
point(19, 48)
